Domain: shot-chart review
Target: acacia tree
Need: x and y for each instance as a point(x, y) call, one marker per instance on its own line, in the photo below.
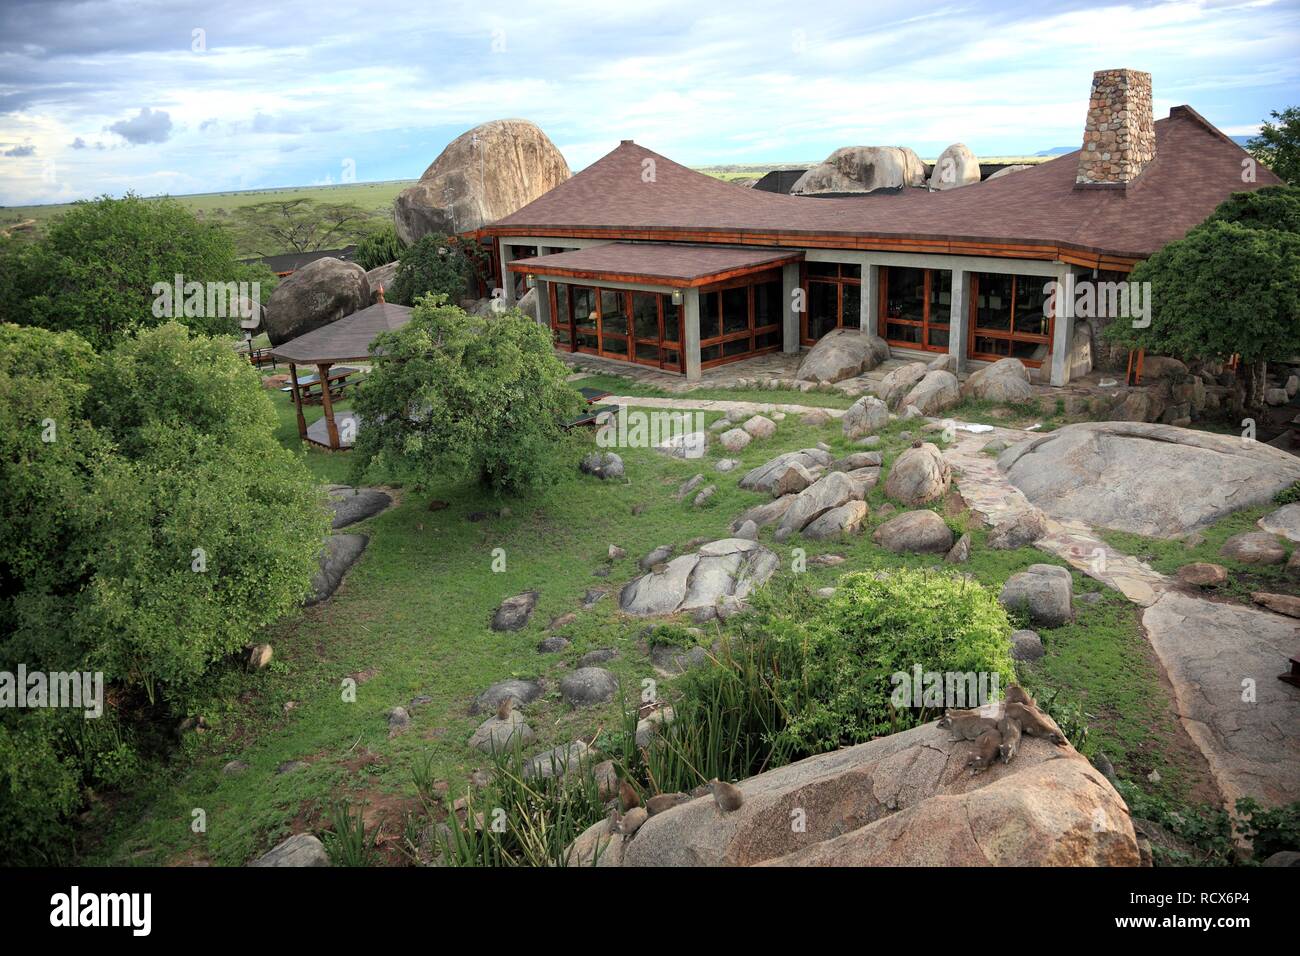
point(1278, 146)
point(299, 225)
point(455, 395)
point(1231, 286)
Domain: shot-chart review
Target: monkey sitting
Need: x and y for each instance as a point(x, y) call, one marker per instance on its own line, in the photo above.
point(1009, 730)
point(986, 751)
point(1035, 723)
point(967, 724)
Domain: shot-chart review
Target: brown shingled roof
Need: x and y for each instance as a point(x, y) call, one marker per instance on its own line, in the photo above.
point(346, 340)
point(663, 263)
point(1196, 167)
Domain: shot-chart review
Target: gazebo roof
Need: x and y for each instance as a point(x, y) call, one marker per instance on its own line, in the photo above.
point(347, 340)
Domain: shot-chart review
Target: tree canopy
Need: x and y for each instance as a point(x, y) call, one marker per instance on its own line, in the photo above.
point(464, 396)
point(438, 265)
point(1278, 145)
point(299, 225)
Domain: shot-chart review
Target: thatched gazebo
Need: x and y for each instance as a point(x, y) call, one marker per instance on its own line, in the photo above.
point(350, 339)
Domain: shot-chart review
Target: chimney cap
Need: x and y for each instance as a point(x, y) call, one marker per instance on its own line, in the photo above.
point(625, 142)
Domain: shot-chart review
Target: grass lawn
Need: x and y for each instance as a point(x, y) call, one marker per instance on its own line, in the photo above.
point(412, 619)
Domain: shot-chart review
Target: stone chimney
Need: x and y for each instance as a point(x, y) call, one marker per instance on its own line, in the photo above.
point(1119, 138)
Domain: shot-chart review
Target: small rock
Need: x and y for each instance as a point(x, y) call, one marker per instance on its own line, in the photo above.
point(1287, 604)
point(658, 556)
point(598, 656)
point(301, 849)
point(1154, 776)
point(735, 440)
point(398, 721)
point(495, 735)
point(1026, 646)
point(604, 465)
point(818, 416)
point(523, 692)
point(564, 620)
point(705, 495)
point(760, 427)
point(960, 552)
point(289, 766)
point(727, 464)
point(616, 553)
point(234, 767)
point(588, 685)
point(1018, 532)
point(870, 441)
point(592, 596)
point(259, 657)
point(747, 530)
point(553, 645)
point(1203, 575)
point(688, 486)
point(557, 761)
point(1044, 591)
point(1254, 547)
point(514, 612)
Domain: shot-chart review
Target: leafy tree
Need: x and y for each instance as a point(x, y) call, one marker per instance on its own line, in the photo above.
point(459, 395)
point(1224, 289)
point(379, 249)
point(94, 270)
point(299, 225)
point(1273, 207)
point(177, 526)
point(440, 265)
point(1278, 147)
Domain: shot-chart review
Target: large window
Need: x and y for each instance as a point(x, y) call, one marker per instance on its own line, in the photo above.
point(1010, 318)
point(834, 298)
point(642, 327)
point(915, 307)
point(740, 318)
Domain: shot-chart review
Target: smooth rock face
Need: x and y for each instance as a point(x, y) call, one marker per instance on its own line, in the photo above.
point(1155, 480)
point(760, 427)
point(1026, 646)
point(1044, 591)
point(765, 476)
point(838, 522)
point(604, 465)
point(728, 568)
point(381, 277)
point(588, 685)
point(319, 293)
point(955, 167)
point(1254, 547)
point(495, 735)
point(351, 505)
point(1285, 522)
point(905, 799)
point(514, 612)
point(855, 169)
point(523, 691)
point(959, 553)
point(841, 354)
point(557, 761)
point(918, 476)
point(1287, 604)
point(340, 551)
point(914, 532)
point(865, 416)
point(1006, 380)
point(301, 849)
point(936, 392)
point(826, 493)
point(1019, 532)
point(894, 386)
point(483, 175)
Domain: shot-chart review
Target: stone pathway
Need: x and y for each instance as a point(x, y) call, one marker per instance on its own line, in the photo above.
point(706, 405)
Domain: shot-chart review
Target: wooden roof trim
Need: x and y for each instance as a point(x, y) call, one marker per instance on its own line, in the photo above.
point(676, 282)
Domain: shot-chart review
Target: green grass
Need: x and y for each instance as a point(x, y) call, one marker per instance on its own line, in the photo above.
point(412, 619)
point(1167, 556)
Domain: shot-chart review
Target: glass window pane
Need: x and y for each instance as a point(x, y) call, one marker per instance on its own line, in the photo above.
point(828, 270)
point(672, 359)
point(735, 347)
point(767, 340)
point(613, 314)
point(939, 338)
point(1031, 305)
point(710, 322)
point(852, 309)
point(823, 308)
point(645, 315)
point(647, 353)
point(905, 295)
point(908, 334)
point(584, 307)
point(735, 310)
point(560, 314)
point(993, 307)
point(851, 271)
point(671, 313)
point(767, 304)
point(940, 297)
point(710, 352)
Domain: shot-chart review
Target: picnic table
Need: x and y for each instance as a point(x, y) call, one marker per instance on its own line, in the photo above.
point(310, 389)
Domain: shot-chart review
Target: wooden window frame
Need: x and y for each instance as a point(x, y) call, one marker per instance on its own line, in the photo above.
point(751, 332)
point(1008, 335)
point(839, 280)
point(568, 321)
point(925, 324)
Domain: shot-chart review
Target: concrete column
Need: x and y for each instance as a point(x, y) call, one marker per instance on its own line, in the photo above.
point(691, 314)
point(870, 298)
point(959, 317)
point(543, 303)
point(507, 277)
point(1062, 330)
point(790, 323)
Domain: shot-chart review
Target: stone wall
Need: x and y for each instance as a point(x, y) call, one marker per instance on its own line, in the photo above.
point(1119, 137)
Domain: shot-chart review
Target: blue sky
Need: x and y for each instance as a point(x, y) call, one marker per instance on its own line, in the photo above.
point(163, 96)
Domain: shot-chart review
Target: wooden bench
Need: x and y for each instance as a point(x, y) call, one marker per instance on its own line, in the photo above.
point(310, 390)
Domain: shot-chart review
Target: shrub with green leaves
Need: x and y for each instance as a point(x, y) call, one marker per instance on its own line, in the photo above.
point(379, 249)
point(437, 265)
point(94, 269)
point(458, 395)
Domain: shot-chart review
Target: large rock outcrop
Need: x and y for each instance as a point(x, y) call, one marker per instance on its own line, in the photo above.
point(721, 574)
point(857, 169)
point(319, 293)
point(1155, 480)
point(903, 800)
point(956, 166)
point(842, 354)
point(483, 175)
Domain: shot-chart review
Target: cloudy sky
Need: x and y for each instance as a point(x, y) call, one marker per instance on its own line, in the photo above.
point(102, 96)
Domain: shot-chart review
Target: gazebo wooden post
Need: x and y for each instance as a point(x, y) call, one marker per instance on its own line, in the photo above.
point(297, 401)
point(323, 371)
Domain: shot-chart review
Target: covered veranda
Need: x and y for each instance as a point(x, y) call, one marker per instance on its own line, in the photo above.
point(350, 339)
point(677, 308)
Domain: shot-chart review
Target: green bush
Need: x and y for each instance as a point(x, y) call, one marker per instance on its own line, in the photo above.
point(94, 269)
point(454, 394)
point(38, 792)
point(379, 249)
point(438, 265)
point(1289, 495)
